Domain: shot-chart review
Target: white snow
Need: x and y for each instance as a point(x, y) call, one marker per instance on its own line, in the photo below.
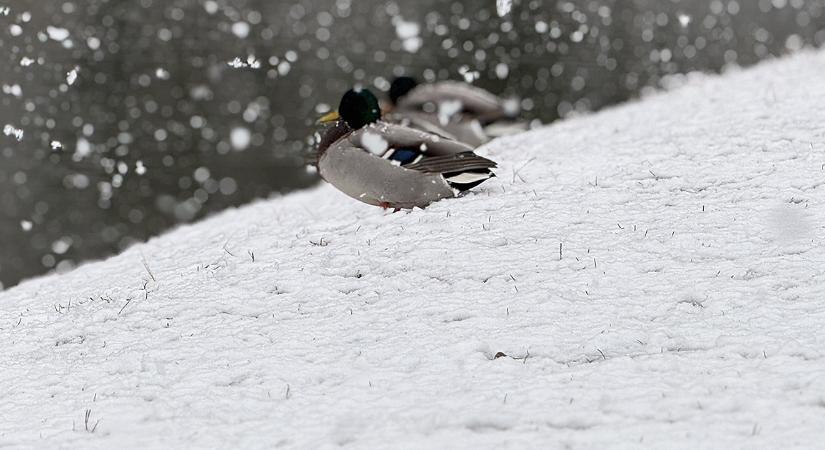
point(162, 74)
point(11, 130)
point(93, 43)
point(211, 6)
point(57, 33)
point(251, 62)
point(71, 76)
point(374, 143)
point(502, 70)
point(241, 29)
point(503, 7)
point(468, 74)
point(61, 246)
point(684, 308)
point(236, 63)
point(447, 109)
point(240, 138)
point(13, 90)
point(83, 148)
point(409, 33)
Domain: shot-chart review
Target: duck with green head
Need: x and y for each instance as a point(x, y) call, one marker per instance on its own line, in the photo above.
point(390, 165)
point(454, 109)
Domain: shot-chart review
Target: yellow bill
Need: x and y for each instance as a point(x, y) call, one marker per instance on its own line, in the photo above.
point(331, 117)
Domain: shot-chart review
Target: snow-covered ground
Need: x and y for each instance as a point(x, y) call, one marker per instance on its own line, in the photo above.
point(649, 276)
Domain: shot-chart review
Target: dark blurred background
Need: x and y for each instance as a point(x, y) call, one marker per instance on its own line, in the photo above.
point(137, 115)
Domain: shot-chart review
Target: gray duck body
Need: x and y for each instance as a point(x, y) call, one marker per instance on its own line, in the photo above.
point(478, 116)
point(356, 163)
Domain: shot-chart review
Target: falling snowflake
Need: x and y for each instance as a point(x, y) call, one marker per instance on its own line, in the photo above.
point(71, 77)
point(9, 130)
point(57, 34)
point(82, 149)
point(503, 7)
point(26, 61)
point(502, 71)
point(4, 10)
point(468, 74)
point(211, 6)
point(56, 145)
point(374, 143)
point(251, 62)
point(26, 225)
point(240, 29)
point(61, 245)
point(240, 138)
point(13, 89)
point(409, 33)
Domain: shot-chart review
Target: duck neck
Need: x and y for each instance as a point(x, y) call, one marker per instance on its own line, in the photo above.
point(332, 135)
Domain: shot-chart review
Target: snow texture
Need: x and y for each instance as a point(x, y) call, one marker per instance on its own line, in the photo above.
point(648, 276)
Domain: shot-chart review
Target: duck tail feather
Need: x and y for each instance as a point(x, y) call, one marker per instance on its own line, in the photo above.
point(457, 163)
point(465, 181)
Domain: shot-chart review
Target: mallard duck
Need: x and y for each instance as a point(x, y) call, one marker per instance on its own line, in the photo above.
point(390, 165)
point(453, 109)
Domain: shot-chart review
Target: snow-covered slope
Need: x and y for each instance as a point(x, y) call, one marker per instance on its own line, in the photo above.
point(652, 275)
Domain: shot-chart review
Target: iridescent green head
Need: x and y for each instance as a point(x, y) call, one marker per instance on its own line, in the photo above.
point(358, 108)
